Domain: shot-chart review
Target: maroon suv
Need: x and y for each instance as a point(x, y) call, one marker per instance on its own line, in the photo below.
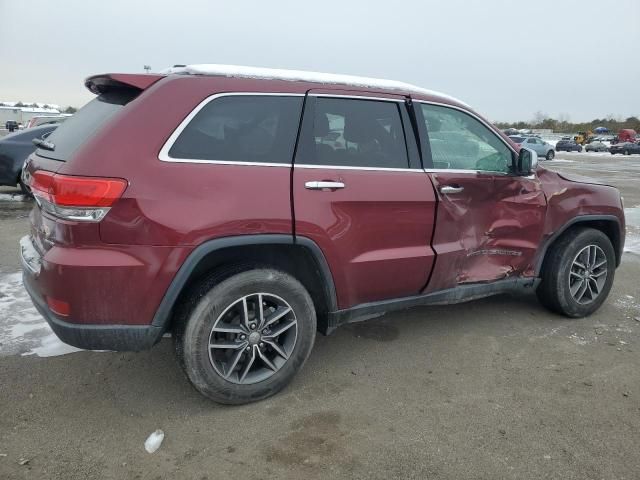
point(244, 209)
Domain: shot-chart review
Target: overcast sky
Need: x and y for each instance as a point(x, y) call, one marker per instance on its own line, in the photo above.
point(508, 59)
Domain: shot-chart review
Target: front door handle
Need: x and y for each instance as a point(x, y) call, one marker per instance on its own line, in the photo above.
point(446, 189)
point(322, 185)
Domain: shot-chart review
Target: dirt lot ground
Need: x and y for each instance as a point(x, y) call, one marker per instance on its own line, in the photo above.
point(497, 388)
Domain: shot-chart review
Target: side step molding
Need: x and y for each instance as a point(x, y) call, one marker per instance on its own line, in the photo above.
point(459, 294)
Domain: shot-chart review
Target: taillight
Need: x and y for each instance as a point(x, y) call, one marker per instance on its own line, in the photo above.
point(76, 198)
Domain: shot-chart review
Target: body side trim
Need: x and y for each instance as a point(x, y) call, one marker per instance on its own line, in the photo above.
point(459, 294)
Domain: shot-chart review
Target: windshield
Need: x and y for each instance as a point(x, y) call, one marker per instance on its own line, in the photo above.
point(75, 131)
point(517, 139)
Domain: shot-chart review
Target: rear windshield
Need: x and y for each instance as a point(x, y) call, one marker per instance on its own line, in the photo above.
point(76, 130)
point(517, 139)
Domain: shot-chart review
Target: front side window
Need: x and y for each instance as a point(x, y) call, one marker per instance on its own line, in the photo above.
point(355, 133)
point(459, 141)
point(243, 128)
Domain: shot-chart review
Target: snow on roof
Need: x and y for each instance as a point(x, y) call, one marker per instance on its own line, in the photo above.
point(303, 76)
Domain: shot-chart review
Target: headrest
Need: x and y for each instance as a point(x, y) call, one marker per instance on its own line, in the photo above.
point(321, 125)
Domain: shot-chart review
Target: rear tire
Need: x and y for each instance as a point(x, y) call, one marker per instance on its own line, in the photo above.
point(561, 288)
point(626, 152)
point(226, 313)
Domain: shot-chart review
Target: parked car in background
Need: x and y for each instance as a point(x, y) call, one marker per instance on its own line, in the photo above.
point(14, 150)
point(568, 146)
point(45, 120)
point(232, 223)
point(542, 148)
point(596, 147)
point(11, 125)
point(626, 148)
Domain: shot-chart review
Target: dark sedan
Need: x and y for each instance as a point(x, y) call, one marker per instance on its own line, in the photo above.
point(626, 148)
point(568, 146)
point(14, 150)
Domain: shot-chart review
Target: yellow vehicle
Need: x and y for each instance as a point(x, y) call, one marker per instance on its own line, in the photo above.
point(583, 137)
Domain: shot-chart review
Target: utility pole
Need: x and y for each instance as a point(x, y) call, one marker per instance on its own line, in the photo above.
point(147, 68)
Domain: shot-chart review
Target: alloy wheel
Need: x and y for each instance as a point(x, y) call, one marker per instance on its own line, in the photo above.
point(588, 274)
point(252, 338)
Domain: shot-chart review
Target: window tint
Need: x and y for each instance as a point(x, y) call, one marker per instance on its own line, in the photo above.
point(71, 134)
point(355, 133)
point(248, 128)
point(459, 141)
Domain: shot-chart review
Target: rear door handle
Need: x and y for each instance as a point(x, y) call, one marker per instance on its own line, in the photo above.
point(322, 185)
point(446, 189)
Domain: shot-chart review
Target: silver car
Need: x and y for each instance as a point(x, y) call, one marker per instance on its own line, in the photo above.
point(596, 147)
point(542, 148)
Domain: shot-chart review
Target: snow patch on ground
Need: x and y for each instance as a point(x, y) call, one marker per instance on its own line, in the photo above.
point(558, 160)
point(632, 241)
point(12, 197)
point(22, 329)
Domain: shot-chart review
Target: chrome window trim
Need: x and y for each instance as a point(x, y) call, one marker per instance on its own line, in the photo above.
point(347, 167)
point(164, 151)
point(460, 170)
point(357, 97)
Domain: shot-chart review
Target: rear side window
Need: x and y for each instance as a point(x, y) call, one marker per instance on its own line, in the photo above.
point(354, 133)
point(76, 130)
point(251, 128)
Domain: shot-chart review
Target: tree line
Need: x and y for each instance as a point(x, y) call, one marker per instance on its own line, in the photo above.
point(563, 125)
point(35, 105)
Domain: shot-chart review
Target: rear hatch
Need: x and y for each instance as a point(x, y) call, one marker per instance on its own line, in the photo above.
point(49, 226)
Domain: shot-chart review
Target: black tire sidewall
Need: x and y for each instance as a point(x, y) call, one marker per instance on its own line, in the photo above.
point(568, 305)
point(193, 344)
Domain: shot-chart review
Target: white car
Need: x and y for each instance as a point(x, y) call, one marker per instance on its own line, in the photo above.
point(542, 148)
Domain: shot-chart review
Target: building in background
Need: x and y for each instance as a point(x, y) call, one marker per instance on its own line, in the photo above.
point(9, 111)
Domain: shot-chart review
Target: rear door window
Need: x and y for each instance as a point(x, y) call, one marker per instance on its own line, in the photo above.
point(241, 128)
point(344, 132)
point(79, 128)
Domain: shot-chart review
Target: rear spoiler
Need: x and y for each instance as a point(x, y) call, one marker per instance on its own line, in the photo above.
point(101, 83)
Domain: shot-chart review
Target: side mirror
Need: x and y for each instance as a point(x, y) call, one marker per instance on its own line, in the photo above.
point(527, 161)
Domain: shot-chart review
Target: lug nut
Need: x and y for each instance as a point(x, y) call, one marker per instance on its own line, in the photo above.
point(242, 337)
point(261, 345)
point(253, 326)
point(248, 348)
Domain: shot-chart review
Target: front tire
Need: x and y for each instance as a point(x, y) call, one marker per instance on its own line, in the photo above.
point(550, 155)
point(243, 339)
point(577, 273)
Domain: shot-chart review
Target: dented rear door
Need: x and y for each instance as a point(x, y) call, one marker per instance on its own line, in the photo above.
point(489, 221)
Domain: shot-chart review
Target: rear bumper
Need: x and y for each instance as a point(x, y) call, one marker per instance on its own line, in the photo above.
point(41, 278)
point(93, 337)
